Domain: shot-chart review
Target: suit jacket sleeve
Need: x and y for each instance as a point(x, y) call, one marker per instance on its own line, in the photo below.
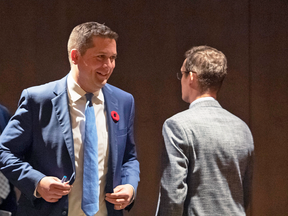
point(247, 181)
point(130, 166)
point(173, 186)
point(15, 145)
point(4, 117)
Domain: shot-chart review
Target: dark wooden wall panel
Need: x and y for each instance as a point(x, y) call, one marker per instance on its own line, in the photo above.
point(154, 36)
point(269, 107)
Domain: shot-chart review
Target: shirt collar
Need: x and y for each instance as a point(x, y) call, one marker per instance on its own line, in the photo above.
point(201, 99)
point(75, 92)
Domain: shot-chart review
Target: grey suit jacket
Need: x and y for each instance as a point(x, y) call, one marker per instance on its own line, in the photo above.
point(207, 163)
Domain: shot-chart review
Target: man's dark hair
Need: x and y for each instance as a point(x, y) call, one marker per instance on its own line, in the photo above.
point(81, 37)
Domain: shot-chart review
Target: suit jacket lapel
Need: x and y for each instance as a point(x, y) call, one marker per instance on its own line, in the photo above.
point(61, 106)
point(111, 104)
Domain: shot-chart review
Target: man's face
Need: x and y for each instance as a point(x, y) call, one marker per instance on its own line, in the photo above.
point(96, 65)
point(184, 83)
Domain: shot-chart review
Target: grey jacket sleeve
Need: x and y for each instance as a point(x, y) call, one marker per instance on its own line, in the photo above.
point(173, 186)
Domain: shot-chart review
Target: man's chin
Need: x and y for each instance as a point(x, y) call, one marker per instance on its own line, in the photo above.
point(102, 84)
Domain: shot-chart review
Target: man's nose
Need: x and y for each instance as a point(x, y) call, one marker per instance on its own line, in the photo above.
point(108, 63)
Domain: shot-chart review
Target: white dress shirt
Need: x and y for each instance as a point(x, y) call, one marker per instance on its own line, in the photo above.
point(77, 102)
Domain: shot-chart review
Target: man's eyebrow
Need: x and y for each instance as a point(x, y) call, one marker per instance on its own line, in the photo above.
point(104, 53)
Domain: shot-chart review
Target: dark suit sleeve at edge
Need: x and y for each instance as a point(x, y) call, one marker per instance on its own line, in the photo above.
point(15, 144)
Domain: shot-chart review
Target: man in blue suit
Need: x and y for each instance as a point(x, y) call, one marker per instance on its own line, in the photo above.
point(44, 139)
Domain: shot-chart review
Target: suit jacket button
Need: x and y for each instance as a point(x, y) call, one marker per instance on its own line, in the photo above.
point(64, 213)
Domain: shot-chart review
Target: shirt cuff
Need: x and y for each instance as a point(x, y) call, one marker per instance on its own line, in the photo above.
point(36, 194)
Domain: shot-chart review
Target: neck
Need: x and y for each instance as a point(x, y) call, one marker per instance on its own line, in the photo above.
point(206, 94)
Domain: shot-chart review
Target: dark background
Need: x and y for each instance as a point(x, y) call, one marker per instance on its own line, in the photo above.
point(154, 36)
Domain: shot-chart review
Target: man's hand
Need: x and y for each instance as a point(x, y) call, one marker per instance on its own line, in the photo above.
point(51, 189)
point(121, 197)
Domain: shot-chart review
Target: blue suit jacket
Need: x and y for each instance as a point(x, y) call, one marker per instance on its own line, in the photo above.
point(38, 142)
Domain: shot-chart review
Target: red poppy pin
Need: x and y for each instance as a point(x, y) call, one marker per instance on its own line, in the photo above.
point(115, 116)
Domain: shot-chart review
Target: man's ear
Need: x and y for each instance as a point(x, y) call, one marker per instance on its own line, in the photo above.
point(191, 76)
point(193, 79)
point(74, 55)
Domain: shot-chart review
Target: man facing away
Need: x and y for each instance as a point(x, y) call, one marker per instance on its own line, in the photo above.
point(208, 156)
point(57, 123)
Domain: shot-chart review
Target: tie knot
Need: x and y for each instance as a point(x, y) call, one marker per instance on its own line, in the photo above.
point(89, 98)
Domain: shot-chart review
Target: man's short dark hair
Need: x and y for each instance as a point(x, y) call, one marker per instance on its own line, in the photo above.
point(210, 66)
point(81, 37)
